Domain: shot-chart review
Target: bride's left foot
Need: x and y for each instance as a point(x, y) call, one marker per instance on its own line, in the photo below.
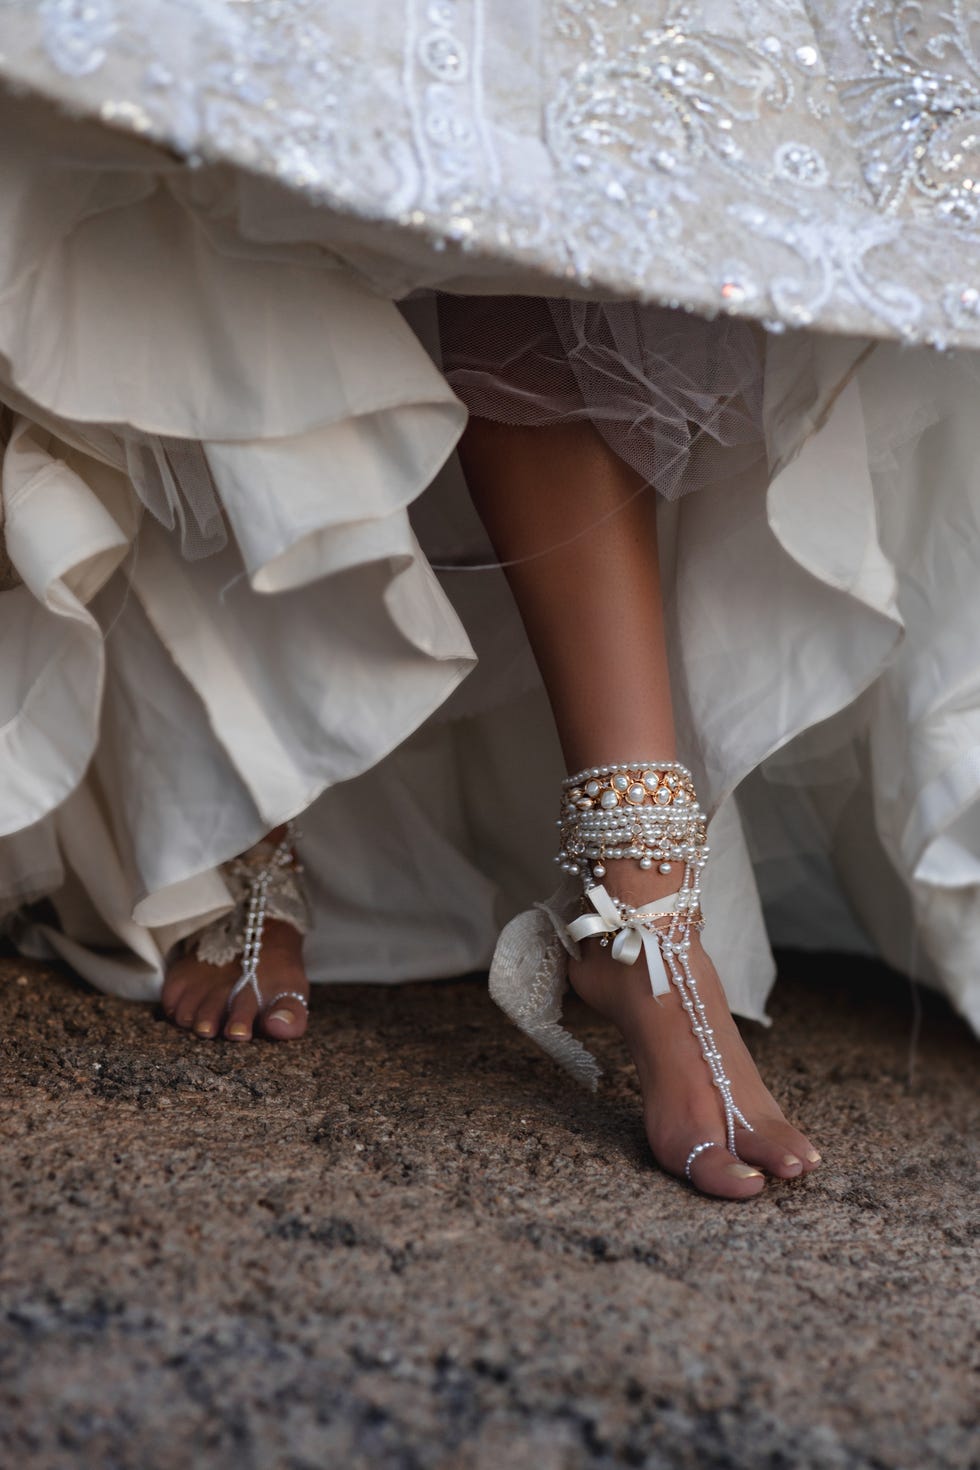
point(708, 1115)
point(197, 995)
point(243, 975)
point(681, 1104)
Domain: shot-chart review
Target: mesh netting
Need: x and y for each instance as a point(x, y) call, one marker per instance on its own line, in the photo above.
point(173, 480)
point(678, 397)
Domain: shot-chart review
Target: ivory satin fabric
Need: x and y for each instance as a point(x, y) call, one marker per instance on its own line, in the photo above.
point(160, 710)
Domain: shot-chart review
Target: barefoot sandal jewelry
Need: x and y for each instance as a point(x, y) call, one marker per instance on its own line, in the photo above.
point(646, 811)
point(265, 883)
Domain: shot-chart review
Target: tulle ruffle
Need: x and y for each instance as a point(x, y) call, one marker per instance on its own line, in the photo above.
point(679, 398)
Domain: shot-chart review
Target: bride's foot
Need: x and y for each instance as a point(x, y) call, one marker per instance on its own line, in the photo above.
point(681, 1105)
point(243, 975)
point(196, 995)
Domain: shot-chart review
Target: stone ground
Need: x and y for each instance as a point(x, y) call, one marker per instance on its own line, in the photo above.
point(406, 1244)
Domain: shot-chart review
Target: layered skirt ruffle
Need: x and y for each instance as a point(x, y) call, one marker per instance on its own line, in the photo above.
point(217, 614)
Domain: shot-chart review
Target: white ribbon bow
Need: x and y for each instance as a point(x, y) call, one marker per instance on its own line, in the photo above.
point(632, 933)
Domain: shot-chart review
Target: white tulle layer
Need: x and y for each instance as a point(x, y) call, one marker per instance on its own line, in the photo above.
point(679, 398)
point(158, 713)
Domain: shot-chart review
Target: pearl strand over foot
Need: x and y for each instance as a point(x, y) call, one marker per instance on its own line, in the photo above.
point(648, 811)
point(258, 901)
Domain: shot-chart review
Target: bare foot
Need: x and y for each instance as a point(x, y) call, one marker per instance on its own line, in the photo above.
point(195, 994)
point(681, 1105)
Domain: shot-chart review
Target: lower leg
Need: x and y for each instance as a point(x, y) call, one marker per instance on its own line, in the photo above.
point(580, 533)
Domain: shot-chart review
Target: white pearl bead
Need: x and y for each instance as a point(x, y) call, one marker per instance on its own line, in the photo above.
point(599, 871)
point(646, 862)
point(665, 868)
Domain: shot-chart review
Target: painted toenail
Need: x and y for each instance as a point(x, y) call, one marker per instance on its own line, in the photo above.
point(286, 1016)
point(791, 1160)
point(239, 1029)
point(204, 1028)
point(813, 1156)
point(742, 1171)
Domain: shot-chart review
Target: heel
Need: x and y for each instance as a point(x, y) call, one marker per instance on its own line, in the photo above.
point(528, 980)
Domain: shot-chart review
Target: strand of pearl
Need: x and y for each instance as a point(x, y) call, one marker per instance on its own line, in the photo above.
point(644, 835)
point(258, 899)
point(594, 773)
point(676, 956)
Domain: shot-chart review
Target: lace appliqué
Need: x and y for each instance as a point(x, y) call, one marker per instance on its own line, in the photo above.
point(286, 899)
point(802, 164)
point(919, 106)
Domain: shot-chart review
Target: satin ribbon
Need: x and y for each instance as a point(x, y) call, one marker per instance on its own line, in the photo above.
point(631, 934)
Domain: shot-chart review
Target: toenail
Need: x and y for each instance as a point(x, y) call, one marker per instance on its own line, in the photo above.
point(791, 1160)
point(204, 1028)
point(239, 1029)
point(742, 1171)
point(286, 1016)
point(813, 1156)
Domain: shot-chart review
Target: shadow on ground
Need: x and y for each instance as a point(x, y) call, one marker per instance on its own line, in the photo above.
point(406, 1244)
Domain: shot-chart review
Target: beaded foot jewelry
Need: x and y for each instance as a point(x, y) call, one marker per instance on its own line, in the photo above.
point(646, 811)
point(266, 883)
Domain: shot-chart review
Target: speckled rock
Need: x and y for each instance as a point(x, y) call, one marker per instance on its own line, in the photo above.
point(406, 1244)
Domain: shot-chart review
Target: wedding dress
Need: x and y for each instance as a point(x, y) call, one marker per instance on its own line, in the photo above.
point(753, 230)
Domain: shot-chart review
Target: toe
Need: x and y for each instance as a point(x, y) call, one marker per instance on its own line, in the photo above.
point(778, 1148)
point(241, 1016)
point(175, 982)
point(190, 998)
point(800, 1145)
point(770, 1148)
point(284, 1019)
point(210, 1012)
point(715, 1172)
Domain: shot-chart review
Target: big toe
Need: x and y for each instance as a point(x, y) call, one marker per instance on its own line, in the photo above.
point(285, 1018)
point(714, 1171)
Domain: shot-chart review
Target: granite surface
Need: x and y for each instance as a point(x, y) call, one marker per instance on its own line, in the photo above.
point(406, 1244)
